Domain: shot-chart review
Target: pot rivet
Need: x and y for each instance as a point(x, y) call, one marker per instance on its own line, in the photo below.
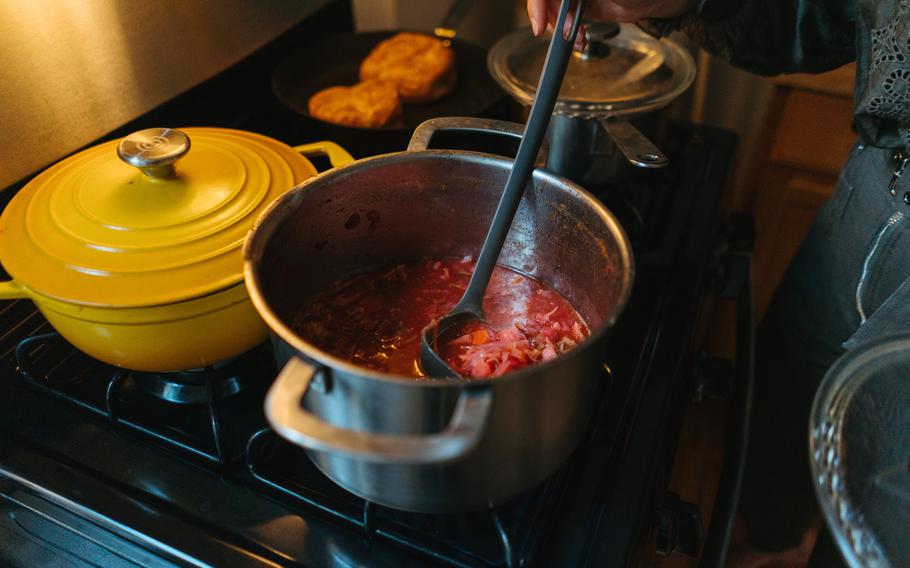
point(907, 197)
point(648, 157)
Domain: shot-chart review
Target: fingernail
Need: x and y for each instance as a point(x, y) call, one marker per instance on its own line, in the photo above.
point(535, 26)
point(581, 40)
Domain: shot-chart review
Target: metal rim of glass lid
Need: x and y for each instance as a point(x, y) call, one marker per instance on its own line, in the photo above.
point(623, 71)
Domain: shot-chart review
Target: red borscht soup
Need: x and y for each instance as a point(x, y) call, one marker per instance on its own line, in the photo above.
point(374, 320)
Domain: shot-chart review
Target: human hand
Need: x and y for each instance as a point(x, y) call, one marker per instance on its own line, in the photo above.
point(542, 13)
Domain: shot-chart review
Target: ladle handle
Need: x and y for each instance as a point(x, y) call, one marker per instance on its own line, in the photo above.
point(547, 91)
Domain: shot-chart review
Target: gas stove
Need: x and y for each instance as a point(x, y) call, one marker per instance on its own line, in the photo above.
point(106, 466)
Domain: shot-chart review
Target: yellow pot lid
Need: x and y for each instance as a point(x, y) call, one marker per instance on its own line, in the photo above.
point(155, 218)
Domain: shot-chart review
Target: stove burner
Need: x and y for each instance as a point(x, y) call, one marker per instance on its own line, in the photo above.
point(191, 386)
point(181, 410)
point(498, 537)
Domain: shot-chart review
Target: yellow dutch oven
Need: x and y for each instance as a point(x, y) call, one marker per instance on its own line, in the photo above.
point(135, 258)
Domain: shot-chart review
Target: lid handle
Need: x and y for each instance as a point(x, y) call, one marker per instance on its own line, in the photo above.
point(599, 35)
point(154, 150)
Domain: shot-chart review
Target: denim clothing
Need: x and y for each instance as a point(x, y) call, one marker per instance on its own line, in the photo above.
point(850, 281)
point(849, 284)
point(770, 37)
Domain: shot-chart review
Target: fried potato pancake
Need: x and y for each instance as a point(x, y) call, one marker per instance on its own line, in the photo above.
point(420, 66)
point(369, 104)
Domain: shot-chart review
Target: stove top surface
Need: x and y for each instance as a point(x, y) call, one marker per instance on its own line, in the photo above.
point(102, 466)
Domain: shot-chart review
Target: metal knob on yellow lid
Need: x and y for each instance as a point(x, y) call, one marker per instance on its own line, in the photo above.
point(154, 150)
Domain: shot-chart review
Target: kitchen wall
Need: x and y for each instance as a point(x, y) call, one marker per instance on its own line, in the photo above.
point(730, 98)
point(73, 70)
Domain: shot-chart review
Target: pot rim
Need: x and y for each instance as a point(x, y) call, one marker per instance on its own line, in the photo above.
point(262, 230)
point(51, 301)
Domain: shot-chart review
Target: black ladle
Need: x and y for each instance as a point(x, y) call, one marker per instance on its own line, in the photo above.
point(470, 307)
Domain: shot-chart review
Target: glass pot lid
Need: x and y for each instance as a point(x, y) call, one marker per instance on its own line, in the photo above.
point(157, 217)
point(860, 452)
point(622, 71)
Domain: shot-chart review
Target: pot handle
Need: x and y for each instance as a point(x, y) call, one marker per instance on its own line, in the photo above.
point(447, 28)
point(337, 155)
point(11, 290)
point(424, 133)
point(635, 146)
point(292, 421)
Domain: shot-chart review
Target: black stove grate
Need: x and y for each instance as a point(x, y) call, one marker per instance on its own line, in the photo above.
point(46, 362)
point(592, 508)
point(221, 435)
point(508, 535)
point(505, 536)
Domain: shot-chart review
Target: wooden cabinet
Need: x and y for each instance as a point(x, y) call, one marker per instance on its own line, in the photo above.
point(807, 138)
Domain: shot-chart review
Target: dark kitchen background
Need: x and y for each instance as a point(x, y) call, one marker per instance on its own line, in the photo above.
point(81, 484)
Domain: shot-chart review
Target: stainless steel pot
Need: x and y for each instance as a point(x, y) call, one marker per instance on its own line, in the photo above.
point(596, 153)
point(427, 445)
point(608, 109)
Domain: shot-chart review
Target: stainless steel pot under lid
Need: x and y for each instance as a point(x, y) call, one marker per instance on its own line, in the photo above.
point(623, 71)
point(860, 453)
